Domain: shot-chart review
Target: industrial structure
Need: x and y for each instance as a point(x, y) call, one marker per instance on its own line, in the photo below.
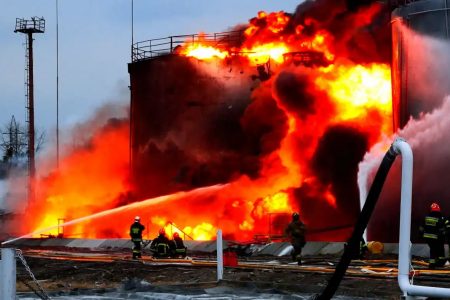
point(29, 27)
point(158, 77)
point(171, 92)
point(428, 18)
point(420, 83)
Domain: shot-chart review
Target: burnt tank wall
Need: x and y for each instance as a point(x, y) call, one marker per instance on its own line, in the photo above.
point(181, 123)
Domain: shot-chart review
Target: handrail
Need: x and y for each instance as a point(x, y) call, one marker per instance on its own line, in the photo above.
point(179, 229)
point(160, 46)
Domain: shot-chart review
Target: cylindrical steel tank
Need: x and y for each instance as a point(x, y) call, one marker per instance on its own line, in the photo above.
point(182, 112)
point(429, 18)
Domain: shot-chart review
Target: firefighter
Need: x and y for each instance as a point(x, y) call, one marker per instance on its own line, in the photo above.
point(433, 231)
point(161, 245)
point(177, 246)
point(447, 235)
point(136, 230)
point(296, 231)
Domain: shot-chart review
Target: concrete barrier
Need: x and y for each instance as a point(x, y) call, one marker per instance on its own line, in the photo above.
point(209, 247)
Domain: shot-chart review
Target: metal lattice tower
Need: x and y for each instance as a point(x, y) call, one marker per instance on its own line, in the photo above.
point(28, 27)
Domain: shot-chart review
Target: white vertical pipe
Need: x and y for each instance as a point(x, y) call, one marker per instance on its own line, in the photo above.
point(8, 274)
point(219, 255)
point(404, 255)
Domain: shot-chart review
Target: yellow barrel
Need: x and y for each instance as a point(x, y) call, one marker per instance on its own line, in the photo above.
point(375, 247)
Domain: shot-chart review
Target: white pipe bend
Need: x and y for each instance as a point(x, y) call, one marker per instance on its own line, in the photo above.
point(401, 147)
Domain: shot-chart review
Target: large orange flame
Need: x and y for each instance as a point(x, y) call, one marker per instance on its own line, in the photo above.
point(95, 178)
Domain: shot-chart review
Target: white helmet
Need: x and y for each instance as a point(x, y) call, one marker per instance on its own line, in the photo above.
point(137, 218)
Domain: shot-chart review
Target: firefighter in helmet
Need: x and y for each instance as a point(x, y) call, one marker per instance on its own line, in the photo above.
point(296, 231)
point(447, 234)
point(433, 232)
point(136, 230)
point(177, 246)
point(161, 245)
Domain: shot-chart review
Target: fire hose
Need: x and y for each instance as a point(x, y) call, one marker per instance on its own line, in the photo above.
point(361, 224)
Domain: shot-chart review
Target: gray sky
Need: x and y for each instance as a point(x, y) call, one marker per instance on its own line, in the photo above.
point(94, 48)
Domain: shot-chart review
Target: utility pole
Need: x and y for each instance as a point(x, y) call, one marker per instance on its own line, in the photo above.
point(57, 85)
point(28, 27)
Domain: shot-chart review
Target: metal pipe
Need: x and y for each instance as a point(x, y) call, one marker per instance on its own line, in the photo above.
point(31, 163)
point(57, 86)
point(8, 274)
point(219, 255)
point(401, 147)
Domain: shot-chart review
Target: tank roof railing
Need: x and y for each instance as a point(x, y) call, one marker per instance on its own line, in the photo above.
point(161, 46)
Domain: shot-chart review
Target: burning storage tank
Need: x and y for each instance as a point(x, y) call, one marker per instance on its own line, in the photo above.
point(185, 117)
point(237, 130)
point(279, 115)
point(418, 86)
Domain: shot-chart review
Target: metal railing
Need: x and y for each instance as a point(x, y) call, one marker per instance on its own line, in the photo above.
point(156, 47)
point(172, 226)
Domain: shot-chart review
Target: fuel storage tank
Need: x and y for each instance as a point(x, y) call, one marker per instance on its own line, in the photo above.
point(420, 82)
point(181, 117)
point(420, 30)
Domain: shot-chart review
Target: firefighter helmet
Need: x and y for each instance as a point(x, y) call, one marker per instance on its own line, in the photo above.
point(295, 216)
point(435, 207)
point(176, 235)
point(162, 231)
point(137, 218)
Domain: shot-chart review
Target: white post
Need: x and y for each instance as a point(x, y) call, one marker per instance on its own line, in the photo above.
point(8, 274)
point(404, 254)
point(219, 255)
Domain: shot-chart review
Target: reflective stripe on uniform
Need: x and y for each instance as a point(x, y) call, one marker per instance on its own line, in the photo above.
point(164, 245)
point(430, 236)
point(431, 221)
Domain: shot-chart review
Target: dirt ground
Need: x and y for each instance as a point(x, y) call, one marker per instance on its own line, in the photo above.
point(66, 276)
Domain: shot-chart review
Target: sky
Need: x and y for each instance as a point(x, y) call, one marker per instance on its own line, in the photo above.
point(94, 49)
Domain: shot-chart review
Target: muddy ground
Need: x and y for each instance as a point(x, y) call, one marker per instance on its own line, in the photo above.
point(69, 277)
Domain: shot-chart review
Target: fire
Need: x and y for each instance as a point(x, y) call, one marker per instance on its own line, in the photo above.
point(357, 88)
point(276, 21)
point(289, 131)
point(204, 52)
point(262, 53)
point(277, 203)
point(202, 232)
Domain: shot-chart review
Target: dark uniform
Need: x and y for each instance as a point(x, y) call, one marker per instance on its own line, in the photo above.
point(177, 246)
point(136, 230)
point(296, 231)
point(161, 245)
point(447, 234)
point(433, 231)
